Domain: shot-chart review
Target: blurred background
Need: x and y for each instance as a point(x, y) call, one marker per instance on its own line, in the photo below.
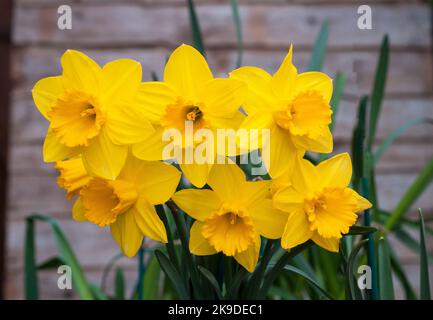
point(147, 30)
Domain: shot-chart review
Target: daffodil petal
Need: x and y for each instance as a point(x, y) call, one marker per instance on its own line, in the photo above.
point(323, 143)
point(269, 222)
point(198, 204)
point(315, 81)
point(127, 125)
point(198, 245)
point(254, 191)
point(187, 70)
point(288, 199)
point(283, 81)
point(78, 211)
point(248, 258)
point(153, 98)
point(152, 148)
point(120, 80)
point(155, 180)
point(296, 231)
point(148, 221)
point(127, 233)
point(45, 93)
point(305, 176)
point(362, 203)
point(330, 244)
point(251, 130)
point(103, 158)
point(260, 96)
point(336, 171)
point(196, 173)
point(282, 153)
point(80, 72)
point(225, 180)
point(53, 150)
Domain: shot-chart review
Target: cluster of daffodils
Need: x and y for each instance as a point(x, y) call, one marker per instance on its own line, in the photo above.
point(121, 146)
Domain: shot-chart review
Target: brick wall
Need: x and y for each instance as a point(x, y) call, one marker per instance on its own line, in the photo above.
point(147, 30)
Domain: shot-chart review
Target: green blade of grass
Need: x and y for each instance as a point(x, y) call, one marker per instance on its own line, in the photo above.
point(358, 140)
point(31, 291)
point(238, 26)
point(424, 276)
point(309, 279)
point(319, 51)
point(387, 142)
point(151, 279)
point(197, 39)
point(378, 91)
point(211, 280)
point(415, 190)
point(339, 83)
point(119, 284)
point(172, 274)
point(386, 287)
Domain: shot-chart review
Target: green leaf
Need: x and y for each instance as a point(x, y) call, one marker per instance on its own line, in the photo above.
point(361, 230)
point(388, 141)
point(309, 279)
point(386, 287)
point(52, 263)
point(30, 271)
point(415, 190)
point(151, 279)
point(235, 284)
point(119, 284)
point(211, 279)
point(410, 242)
point(238, 26)
point(172, 274)
point(319, 50)
point(352, 291)
point(339, 83)
point(97, 292)
point(401, 276)
point(358, 141)
point(424, 278)
point(197, 40)
point(67, 254)
point(378, 91)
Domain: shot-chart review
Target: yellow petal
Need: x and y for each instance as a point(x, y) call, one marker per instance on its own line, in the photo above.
point(323, 143)
point(73, 176)
point(223, 97)
point(148, 221)
point(282, 152)
point(78, 211)
point(198, 245)
point(45, 93)
point(80, 72)
point(153, 98)
point(315, 81)
point(152, 148)
point(53, 150)
point(336, 171)
point(225, 180)
point(120, 80)
point(196, 173)
point(103, 158)
point(248, 258)
point(198, 204)
point(330, 244)
point(269, 222)
point(362, 203)
point(155, 180)
point(254, 191)
point(127, 233)
point(127, 125)
point(305, 177)
point(251, 130)
point(296, 231)
point(288, 199)
point(260, 96)
point(187, 71)
point(283, 81)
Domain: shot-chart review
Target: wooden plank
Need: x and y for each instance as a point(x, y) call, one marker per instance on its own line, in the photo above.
point(263, 25)
point(32, 64)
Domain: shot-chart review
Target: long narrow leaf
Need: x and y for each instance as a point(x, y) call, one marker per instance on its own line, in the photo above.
point(339, 83)
point(151, 279)
point(196, 36)
point(386, 287)
point(352, 291)
point(30, 276)
point(424, 278)
point(309, 279)
point(401, 276)
point(238, 26)
point(212, 281)
point(119, 284)
point(358, 141)
point(172, 274)
point(378, 91)
point(319, 50)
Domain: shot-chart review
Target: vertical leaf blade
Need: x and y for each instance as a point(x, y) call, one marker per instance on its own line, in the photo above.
point(30, 276)
point(197, 39)
point(424, 276)
point(119, 284)
point(238, 26)
point(319, 51)
point(339, 83)
point(385, 272)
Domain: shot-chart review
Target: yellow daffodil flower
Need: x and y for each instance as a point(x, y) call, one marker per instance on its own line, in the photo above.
point(321, 207)
point(125, 204)
point(294, 107)
point(231, 217)
point(90, 113)
point(189, 93)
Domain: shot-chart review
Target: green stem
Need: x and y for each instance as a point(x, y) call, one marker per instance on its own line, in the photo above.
point(170, 241)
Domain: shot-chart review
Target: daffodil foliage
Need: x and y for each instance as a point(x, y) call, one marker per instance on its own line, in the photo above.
point(128, 152)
